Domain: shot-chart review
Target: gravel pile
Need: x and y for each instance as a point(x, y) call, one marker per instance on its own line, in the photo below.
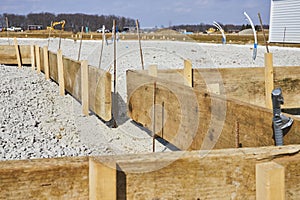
point(32, 121)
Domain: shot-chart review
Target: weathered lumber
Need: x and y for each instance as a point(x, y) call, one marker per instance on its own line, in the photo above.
point(269, 79)
point(198, 119)
point(18, 53)
point(8, 54)
point(53, 66)
point(245, 84)
point(102, 181)
point(32, 57)
point(152, 70)
point(216, 174)
point(270, 181)
point(85, 87)
point(61, 78)
point(61, 178)
point(38, 58)
point(100, 99)
point(45, 62)
point(188, 73)
point(99, 85)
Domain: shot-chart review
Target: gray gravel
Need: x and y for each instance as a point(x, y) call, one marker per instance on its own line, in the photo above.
point(33, 123)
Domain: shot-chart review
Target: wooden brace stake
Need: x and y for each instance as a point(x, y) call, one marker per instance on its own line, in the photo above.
point(269, 79)
point(18, 53)
point(32, 57)
point(60, 69)
point(102, 181)
point(85, 87)
point(152, 70)
point(46, 62)
point(270, 181)
point(188, 73)
point(38, 60)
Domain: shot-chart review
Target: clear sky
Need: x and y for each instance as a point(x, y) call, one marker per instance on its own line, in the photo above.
point(150, 12)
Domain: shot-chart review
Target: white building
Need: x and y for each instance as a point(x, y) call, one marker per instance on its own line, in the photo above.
point(285, 21)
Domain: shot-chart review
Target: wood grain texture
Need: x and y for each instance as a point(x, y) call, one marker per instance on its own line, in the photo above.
point(270, 181)
point(216, 174)
point(61, 178)
point(99, 85)
point(100, 99)
point(199, 120)
point(38, 58)
point(245, 84)
point(269, 79)
point(102, 181)
point(8, 54)
point(18, 53)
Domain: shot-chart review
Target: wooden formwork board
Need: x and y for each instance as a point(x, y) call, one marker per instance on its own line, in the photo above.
point(61, 178)
point(216, 174)
point(245, 84)
point(8, 54)
point(100, 100)
point(191, 119)
point(53, 68)
point(100, 97)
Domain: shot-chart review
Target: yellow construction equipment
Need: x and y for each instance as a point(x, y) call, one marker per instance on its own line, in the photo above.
point(210, 30)
point(53, 24)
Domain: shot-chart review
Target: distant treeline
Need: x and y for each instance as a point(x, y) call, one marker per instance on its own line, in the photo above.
point(73, 21)
point(229, 28)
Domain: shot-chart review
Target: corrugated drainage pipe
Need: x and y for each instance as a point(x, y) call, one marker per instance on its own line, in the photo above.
point(280, 122)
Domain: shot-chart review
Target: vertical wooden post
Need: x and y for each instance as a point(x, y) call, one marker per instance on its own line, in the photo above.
point(46, 62)
point(85, 87)
point(115, 97)
point(18, 53)
point(269, 79)
point(152, 71)
point(38, 60)
point(60, 69)
point(102, 181)
point(154, 118)
point(270, 182)
point(32, 57)
point(188, 73)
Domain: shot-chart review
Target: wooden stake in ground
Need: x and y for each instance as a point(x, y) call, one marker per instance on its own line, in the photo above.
point(32, 54)
point(38, 60)
point(18, 53)
point(188, 73)
point(79, 52)
point(269, 79)
point(152, 70)
point(153, 117)
point(102, 181)
point(115, 100)
point(85, 87)
point(263, 30)
point(270, 181)
point(60, 69)
point(139, 38)
point(46, 62)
